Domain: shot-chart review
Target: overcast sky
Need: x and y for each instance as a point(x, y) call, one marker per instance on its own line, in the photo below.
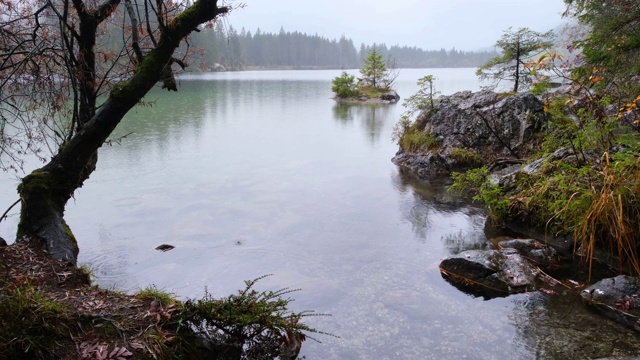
point(428, 24)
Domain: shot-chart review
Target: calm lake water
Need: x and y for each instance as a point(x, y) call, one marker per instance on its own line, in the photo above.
point(254, 173)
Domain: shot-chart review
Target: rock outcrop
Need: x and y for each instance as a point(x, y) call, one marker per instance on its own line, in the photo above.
point(488, 124)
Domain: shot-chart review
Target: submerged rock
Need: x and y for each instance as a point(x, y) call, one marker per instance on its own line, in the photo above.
point(491, 273)
point(617, 298)
point(165, 247)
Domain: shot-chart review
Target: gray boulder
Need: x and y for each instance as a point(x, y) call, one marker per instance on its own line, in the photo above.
point(490, 273)
point(491, 125)
point(617, 298)
point(488, 123)
point(391, 96)
point(423, 166)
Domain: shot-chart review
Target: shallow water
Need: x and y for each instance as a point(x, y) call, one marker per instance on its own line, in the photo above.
point(257, 173)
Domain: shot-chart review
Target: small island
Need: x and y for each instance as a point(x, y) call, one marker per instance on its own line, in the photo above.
point(375, 85)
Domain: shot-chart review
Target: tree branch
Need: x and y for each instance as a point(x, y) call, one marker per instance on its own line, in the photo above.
point(134, 30)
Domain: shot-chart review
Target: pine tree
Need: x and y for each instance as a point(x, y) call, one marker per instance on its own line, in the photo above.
point(374, 70)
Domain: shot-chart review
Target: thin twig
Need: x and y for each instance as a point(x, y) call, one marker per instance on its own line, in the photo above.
point(9, 209)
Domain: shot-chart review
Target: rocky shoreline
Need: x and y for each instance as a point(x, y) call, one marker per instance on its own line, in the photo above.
point(390, 97)
point(502, 133)
point(493, 126)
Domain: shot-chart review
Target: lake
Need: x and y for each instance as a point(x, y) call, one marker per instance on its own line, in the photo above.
point(254, 173)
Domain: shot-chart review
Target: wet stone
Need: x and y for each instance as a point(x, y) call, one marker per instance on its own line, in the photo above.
point(535, 251)
point(617, 298)
point(490, 273)
point(165, 247)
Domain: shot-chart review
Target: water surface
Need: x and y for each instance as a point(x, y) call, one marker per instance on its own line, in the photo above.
point(257, 173)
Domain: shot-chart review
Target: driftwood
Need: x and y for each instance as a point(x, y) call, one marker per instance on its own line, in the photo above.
point(503, 162)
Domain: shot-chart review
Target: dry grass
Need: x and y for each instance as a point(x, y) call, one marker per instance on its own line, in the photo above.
point(613, 220)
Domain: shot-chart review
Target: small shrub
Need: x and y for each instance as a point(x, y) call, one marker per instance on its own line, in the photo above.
point(476, 184)
point(88, 272)
point(410, 135)
point(424, 99)
point(345, 86)
point(612, 219)
point(400, 128)
point(259, 322)
point(466, 157)
point(153, 293)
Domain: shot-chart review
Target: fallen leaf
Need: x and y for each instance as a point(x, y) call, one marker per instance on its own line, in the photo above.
point(549, 291)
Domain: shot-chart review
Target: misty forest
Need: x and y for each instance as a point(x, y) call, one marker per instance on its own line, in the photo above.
point(293, 50)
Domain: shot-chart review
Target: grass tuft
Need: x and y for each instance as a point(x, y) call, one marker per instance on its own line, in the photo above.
point(613, 219)
point(153, 293)
point(466, 157)
point(419, 141)
point(31, 322)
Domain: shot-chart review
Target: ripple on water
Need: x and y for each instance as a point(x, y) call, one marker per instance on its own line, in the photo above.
point(109, 267)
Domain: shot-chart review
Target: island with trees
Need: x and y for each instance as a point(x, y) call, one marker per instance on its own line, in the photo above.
point(374, 86)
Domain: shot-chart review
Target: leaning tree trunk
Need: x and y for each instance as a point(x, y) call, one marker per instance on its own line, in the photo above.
point(45, 191)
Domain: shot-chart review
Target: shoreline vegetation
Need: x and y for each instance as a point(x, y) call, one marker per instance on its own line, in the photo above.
point(50, 310)
point(562, 160)
point(563, 156)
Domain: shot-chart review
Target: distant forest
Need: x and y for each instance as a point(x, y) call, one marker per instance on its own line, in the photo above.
point(233, 50)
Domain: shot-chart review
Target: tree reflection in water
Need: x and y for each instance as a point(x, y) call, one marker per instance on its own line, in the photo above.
point(373, 117)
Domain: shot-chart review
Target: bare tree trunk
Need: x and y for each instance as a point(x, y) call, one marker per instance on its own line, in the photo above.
point(45, 191)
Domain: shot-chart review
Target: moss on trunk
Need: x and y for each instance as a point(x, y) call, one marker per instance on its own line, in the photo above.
point(45, 191)
point(44, 196)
